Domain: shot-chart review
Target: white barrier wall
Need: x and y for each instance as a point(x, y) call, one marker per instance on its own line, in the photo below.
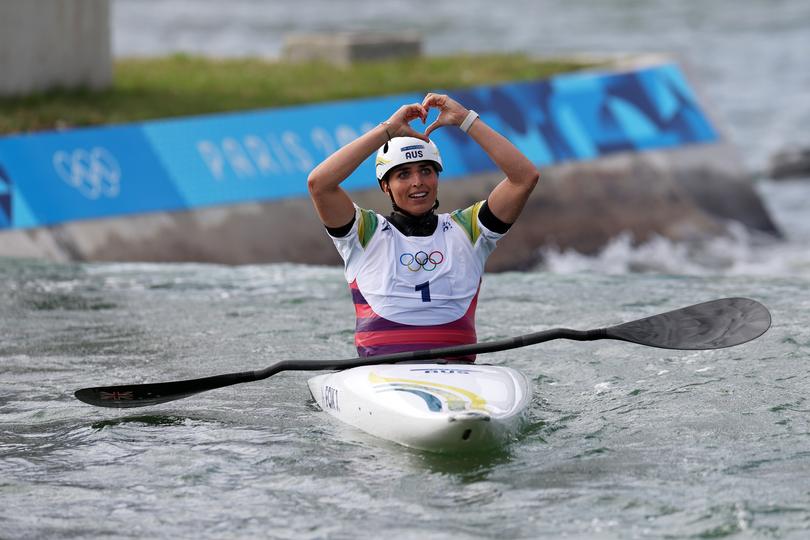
point(54, 44)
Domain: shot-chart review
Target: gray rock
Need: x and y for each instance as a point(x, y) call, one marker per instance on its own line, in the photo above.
point(791, 163)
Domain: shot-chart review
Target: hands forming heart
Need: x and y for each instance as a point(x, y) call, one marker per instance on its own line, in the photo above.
point(451, 113)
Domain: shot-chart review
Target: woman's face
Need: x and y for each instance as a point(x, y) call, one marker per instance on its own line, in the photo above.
point(414, 186)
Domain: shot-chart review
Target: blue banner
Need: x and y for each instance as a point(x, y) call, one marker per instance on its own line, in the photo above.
point(51, 178)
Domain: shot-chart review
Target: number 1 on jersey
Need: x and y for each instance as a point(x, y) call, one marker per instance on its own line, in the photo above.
point(425, 288)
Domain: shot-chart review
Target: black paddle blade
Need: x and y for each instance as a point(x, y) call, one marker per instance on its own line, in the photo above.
point(142, 395)
point(710, 325)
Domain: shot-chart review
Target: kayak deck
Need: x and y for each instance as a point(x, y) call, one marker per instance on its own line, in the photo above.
point(433, 407)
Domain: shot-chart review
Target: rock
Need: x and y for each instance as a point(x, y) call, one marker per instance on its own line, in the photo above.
point(791, 163)
point(688, 194)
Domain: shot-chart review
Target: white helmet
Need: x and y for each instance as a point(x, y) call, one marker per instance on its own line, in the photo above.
point(401, 150)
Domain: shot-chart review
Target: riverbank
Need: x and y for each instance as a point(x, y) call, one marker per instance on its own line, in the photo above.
point(183, 190)
point(182, 85)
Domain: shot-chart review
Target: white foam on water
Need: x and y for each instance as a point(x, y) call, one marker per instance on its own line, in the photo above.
point(738, 253)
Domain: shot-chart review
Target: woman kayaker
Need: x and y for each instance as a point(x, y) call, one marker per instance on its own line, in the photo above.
point(415, 275)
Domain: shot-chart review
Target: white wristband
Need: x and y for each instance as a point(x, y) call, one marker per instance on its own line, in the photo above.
point(465, 126)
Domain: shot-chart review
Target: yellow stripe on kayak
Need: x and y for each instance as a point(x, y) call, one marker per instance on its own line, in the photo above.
point(476, 401)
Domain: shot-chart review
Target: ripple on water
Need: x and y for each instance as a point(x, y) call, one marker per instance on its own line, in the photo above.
point(619, 439)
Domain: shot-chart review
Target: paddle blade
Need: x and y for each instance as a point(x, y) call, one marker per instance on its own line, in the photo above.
point(710, 325)
point(143, 395)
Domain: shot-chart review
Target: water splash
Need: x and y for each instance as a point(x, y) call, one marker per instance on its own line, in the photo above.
point(738, 253)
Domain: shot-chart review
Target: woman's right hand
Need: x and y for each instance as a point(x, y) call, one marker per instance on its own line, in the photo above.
point(399, 125)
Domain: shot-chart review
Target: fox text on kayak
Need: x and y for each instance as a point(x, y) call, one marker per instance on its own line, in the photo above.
point(330, 398)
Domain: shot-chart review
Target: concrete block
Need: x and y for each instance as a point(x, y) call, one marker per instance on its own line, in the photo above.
point(345, 48)
point(54, 44)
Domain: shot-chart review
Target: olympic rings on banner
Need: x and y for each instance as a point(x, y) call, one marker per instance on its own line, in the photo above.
point(421, 260)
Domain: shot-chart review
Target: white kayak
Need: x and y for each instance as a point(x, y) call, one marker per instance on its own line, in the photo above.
point(433, 407)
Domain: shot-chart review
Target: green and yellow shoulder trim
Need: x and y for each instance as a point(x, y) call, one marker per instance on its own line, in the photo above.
point(467, 219)
point(366, 226)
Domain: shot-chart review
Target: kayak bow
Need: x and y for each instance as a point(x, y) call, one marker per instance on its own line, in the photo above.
point(445, 408)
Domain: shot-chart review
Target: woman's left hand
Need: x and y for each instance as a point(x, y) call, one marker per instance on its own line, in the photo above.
point(451, 112)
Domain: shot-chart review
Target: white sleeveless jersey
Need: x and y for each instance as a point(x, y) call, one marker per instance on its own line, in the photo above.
point(417, 280)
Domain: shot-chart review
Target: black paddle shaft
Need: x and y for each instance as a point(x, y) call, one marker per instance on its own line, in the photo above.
point(142, 395)
point(711, 325)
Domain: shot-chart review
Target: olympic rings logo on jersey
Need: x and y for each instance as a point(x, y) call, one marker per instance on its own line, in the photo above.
point(421, 260)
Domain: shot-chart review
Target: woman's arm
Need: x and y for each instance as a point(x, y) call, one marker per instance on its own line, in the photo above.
point(332, 203)
point(508, 198)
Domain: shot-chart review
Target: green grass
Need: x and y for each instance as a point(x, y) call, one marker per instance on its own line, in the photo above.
point(182, 85)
